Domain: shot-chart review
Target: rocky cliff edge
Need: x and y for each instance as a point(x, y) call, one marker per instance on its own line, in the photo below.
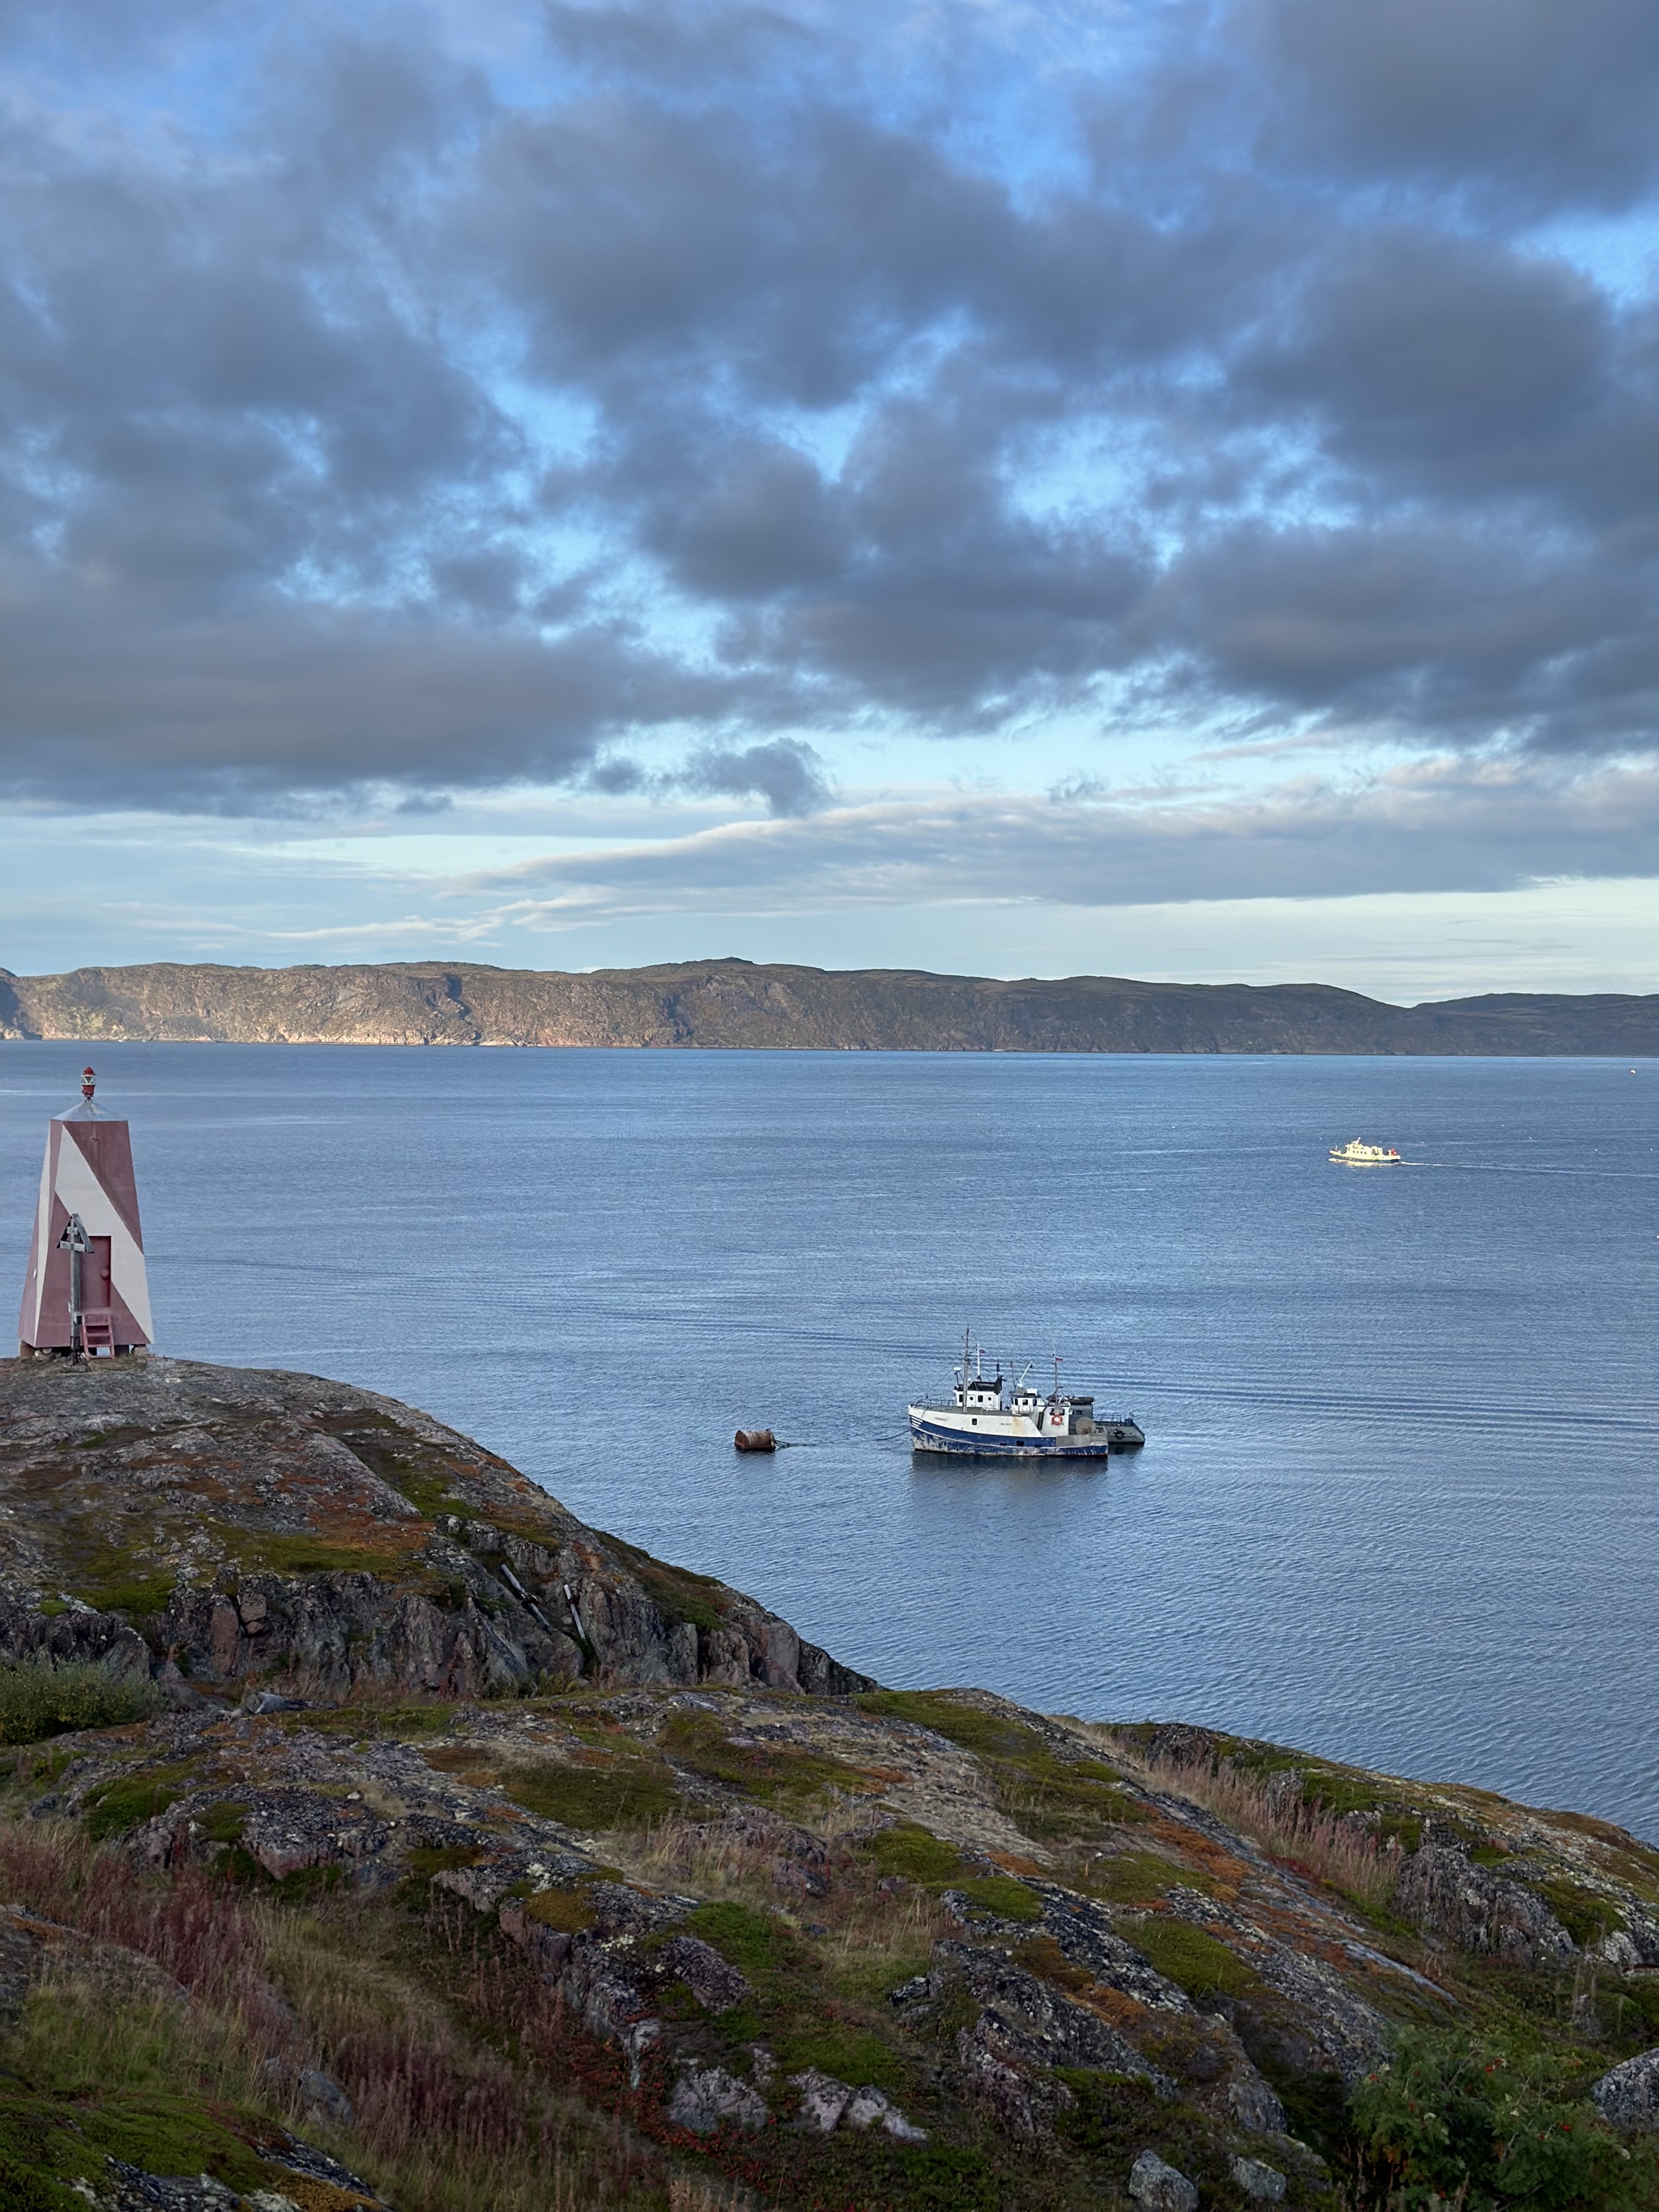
point(218, 1526)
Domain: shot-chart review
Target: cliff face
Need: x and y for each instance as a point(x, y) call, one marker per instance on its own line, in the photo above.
point(382, 1836)
point(221, 1525)
point(733, 1004)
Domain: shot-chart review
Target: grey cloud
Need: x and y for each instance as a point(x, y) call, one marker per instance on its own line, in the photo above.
point(1449, 362)
point(786, 774)
point(1416, 624)
point(1537, 100)
point(365, 424)
point(1440, 827)
point(757, 520)
point(238, 713)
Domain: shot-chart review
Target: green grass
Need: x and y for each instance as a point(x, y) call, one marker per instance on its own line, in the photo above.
point(624, 1795)
point(1115, 2119)
point(313, 1555)
point(1001, 1894)
point(428, 1490)
point(794, 2008)
point(38, 1699)
point(987, 1735)
point(569, 1911)
point(753, 1942)
point(1193, 1960)
point(223, 1823)
point(1046, 1795)
point(115, 1582)
point(774, 1772)
point(115, 1806)
point(851, 2053)
point(1136, 1878)
point(1585, 1914)
point(428, 1859)
point(86, 2079)
point(915, 1855)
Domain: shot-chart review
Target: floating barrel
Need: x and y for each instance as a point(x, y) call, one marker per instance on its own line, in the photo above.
point(761, 1440)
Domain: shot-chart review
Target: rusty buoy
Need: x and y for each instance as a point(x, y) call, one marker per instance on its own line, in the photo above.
point(761, 1440)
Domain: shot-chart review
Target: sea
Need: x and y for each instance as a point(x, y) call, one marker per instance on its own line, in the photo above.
point(1398, 1501)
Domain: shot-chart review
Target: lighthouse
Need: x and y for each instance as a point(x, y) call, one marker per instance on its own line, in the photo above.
point(85, 1292)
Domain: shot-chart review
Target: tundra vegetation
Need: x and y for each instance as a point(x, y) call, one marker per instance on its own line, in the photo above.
point(517, 1870)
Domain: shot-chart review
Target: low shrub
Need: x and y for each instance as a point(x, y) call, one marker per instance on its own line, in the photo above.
point(38, 1699)
point(1488, 2121)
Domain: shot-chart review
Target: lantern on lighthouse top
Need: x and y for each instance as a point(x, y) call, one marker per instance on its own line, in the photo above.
point(85, 1291)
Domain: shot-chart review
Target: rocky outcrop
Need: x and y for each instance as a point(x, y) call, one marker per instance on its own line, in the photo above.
point(1627, 2098)
point(735, 1004)
point(1444, 1893)
point(216, 1527)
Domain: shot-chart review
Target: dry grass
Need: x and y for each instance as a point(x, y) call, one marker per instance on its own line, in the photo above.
point(444, 2121)
point(687, 2194)
point(868, 1938)
point(1343, 1853)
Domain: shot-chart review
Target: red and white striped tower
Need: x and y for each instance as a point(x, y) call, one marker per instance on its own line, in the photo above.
point(86, 1240)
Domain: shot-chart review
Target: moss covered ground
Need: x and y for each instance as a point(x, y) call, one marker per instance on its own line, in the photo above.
point(833, 1857)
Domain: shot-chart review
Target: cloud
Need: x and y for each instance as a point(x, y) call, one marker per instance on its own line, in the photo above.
point(786, 774)
point(705, 381)
point(1533, 103)
point(1444, 825)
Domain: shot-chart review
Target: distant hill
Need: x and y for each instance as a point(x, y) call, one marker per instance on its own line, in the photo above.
point(736, 1005)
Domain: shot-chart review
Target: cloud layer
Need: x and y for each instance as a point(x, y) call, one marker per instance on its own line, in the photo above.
point(1444, 827)
point(693, 381)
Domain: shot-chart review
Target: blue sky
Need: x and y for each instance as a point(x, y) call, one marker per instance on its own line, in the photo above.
point(1159, 489)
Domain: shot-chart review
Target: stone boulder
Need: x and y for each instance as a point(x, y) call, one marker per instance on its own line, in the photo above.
point(705, 2098)
point(1628, 2097)
point(1158, 2187)
point(1265, 2183)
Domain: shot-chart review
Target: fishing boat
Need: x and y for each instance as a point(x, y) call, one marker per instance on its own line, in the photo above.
point(988, 1417)
point(1356, 1155)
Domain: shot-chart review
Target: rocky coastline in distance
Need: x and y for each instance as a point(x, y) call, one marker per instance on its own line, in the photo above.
point(736, 1004)
point(375, 1833)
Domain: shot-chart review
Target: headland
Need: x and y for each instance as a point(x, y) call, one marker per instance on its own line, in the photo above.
point(735, 1005)
point(373, 1833)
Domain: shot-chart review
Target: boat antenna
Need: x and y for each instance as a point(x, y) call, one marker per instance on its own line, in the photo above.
point(1059, 1364)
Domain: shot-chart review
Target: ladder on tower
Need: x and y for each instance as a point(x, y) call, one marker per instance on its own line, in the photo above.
point(98, 1330)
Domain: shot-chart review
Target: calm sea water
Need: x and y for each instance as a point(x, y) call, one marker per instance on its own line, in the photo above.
point(1400, 1501)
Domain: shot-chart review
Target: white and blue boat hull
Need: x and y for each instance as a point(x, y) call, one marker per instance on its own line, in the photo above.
point(931, 1433)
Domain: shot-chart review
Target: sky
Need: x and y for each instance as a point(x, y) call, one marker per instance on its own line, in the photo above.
point(1163, 488)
